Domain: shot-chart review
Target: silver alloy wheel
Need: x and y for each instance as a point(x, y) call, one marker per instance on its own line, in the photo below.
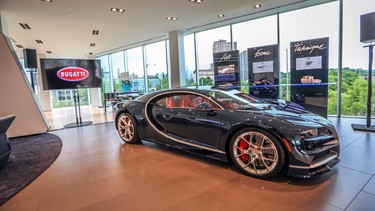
point(255, 153)
point(126, 128)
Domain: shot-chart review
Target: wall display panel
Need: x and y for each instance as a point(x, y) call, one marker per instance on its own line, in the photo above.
point(264, 71)
point(258, 32)
point(309, 74)
point(70, 73)
point(305, 24)
point(226, 67)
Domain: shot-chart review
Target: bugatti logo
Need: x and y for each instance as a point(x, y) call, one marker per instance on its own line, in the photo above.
point(72, 74)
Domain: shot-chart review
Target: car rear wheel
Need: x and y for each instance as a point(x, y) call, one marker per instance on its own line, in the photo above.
point(257, 153)
point(127, 128)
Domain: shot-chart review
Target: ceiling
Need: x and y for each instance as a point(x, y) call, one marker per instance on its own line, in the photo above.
point(65, 26)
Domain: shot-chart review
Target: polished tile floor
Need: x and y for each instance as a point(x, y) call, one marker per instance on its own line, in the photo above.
point(96, 171)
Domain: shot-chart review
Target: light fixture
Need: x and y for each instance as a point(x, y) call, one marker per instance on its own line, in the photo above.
point(95, 32)
point(50, 1)
point(49, 52)
point(19, 46)
point(257, 6)
point(25, 25)
point(91, 53)
point(39, 41)
point(92, 44)
point(117, 10)
point(170, 18)
point(221, 16)
point(196, 1)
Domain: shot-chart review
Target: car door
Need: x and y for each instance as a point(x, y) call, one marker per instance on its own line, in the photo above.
point(181, 117)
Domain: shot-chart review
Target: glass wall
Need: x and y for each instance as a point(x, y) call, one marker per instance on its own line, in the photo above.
point(209, 42)
point(118, 68)
point(190, 70)
point(106, 74)
point(134, 58)
point(355, 60)
point(156, 66)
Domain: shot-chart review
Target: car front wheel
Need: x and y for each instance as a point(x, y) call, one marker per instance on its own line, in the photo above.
point(257, 153)
point(127, 128)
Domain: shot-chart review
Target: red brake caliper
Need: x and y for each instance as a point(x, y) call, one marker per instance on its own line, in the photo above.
point(244, 146)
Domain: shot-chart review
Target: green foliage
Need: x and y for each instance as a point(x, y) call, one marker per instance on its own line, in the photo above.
point(354, 92)
point(206, 81)
point(190, 82)
point(163, 84)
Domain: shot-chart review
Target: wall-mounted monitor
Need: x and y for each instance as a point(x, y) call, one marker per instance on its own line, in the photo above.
point(70, 73)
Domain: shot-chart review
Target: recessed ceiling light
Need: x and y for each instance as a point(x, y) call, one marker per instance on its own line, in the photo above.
point(91, 53)
point(92, 44)
point(171, 18)
point(25, 26)
point(257, 6)
point(50, 1)
point(19, 46)
point(49, 52)
point(221, 16)
point(117, 10)
point(196, 1)
point(95, 32)
point(39, 41)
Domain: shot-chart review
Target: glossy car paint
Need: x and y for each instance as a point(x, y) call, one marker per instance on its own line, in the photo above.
point(209, 132)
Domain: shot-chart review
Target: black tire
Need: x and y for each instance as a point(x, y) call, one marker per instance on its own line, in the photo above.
point(257, 153)
point(127, 128)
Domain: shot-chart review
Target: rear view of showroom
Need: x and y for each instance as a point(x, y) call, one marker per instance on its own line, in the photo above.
point(301, 72)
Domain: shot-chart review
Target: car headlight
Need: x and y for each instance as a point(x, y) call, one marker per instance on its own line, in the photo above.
point(310, 133)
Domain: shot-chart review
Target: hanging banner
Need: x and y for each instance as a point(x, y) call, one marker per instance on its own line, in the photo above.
point(264, 71)
point(309, 74)
point(226, 68)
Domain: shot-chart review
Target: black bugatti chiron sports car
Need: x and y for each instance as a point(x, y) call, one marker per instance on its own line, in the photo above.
point(260, 138)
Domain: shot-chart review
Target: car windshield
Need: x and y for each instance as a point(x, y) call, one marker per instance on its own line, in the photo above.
point(231, 101)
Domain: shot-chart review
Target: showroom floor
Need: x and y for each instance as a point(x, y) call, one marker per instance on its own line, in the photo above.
point(96, 171)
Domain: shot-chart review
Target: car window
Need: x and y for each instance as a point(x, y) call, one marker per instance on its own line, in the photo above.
point(184, 101)
point(233, 102)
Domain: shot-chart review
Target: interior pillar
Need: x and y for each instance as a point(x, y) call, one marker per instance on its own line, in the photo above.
point(177, 59)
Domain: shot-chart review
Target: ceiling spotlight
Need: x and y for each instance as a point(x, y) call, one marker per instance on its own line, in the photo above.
point(19, 46)
point(92, 44)
point(196, 1)
point(50, 1)
point(257, 6)
point(39, 41)
point(91, 53)
point(117, 10)
point(95, 32)
point(171, 18)
point(49, 52)
point(221, 16)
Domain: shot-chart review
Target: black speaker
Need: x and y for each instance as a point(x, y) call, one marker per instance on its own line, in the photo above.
point(368, 27)
point(29, 56)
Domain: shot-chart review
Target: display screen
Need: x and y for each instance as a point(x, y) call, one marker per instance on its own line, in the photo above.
point(226, 73)
point(263, 67)
point(70, 73)
point(309, 63)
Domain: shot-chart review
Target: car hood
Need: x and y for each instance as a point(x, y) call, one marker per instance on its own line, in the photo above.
point(298, 117)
